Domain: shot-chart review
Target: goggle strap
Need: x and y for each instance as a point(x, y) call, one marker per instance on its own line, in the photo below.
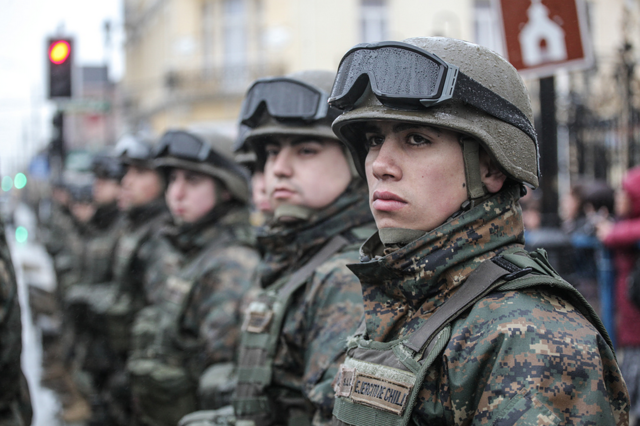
point(475, 94)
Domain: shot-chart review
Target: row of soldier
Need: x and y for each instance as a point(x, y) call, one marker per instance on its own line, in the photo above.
point(178, 310)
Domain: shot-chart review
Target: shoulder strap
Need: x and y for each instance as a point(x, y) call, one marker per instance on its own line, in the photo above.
point(300, 276)
point(480, 282)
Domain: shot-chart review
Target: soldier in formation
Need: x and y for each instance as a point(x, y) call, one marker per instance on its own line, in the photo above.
point(294, 331)
point(194, 322)
point(462, 326)
point(15, 403)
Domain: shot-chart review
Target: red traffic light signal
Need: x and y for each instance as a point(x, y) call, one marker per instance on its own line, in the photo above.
point(60, 67)
point(59, 51)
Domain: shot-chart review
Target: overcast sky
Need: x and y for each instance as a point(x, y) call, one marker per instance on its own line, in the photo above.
point(24, 26)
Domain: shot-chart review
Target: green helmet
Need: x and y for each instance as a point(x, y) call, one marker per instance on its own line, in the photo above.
point(510, 139)
point(186, 150)
point(270, 109)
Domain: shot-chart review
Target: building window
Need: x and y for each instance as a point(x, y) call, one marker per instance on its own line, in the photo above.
point(373, 20)
point(235, 43)
point(486, 26)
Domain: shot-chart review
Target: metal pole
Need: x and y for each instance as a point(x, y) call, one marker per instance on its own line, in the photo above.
point(549, 152)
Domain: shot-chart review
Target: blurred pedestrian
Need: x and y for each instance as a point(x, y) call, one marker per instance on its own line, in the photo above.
point(624, 236)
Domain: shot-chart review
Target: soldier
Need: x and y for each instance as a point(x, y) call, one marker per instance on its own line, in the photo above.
point(462, 326)
point(195, 322)
point(15, 403)
point(85, 299)
point(141, 199)
point(294, 332)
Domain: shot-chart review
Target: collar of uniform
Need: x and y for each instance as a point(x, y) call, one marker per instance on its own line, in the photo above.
point(231, 217)
point(287, 245)
point(403, 288)
point(141, 214)
point(105, 215)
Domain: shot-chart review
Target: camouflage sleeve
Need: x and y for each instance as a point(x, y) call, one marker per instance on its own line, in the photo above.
point(524, 358)
point(211, 314)
point(334, 311)
point(15, 405)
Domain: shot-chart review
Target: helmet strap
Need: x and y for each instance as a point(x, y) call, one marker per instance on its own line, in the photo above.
point(476, 190)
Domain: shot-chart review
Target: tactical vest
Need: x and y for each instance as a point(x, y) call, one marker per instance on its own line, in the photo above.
point(162, 386)
point(261, 329)
point(379, 382)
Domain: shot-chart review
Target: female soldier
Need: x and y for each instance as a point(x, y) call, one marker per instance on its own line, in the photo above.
point(194, 319)
point(462, 327)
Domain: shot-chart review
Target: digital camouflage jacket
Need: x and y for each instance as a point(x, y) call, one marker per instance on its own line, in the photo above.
point(15, 404)
point(195, 321)
point(135, 253)
point(323, 312)
point(515, 355)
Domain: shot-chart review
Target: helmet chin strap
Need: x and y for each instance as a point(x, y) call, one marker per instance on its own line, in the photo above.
point(476, 191)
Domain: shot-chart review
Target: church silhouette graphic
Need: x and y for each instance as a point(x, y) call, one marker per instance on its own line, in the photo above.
point(542, 40)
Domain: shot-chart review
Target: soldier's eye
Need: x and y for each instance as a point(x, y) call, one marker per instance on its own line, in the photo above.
point(374, 140)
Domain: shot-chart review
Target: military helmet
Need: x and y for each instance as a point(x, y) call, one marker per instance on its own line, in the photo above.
point(107, 166)
point(502, 124)
point(134, 150)
point(186, 150)
point(295, 104)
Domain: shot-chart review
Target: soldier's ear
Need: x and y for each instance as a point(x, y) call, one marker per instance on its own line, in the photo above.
point(491, 176)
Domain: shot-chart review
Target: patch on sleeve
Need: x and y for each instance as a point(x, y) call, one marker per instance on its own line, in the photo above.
point(525, 409)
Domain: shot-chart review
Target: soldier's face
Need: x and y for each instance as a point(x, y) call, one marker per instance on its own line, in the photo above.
point(259, 193)
point(140, 186)
point(105, 191)
point(415, 174)
point(305, 171)
point(190, 195)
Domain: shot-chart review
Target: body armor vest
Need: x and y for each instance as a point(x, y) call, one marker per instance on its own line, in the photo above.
point(261, 329)
point(379, 382)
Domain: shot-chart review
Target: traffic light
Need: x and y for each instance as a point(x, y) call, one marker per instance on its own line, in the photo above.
point(60, 63)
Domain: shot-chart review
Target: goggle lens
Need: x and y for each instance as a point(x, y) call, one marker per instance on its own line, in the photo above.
point(183, 145)
point(421, 77)
point(283, 99)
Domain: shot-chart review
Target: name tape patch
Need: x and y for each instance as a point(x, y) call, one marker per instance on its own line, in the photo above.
point(387, 395)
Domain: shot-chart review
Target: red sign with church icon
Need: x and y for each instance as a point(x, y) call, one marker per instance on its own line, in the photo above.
point(542, 36)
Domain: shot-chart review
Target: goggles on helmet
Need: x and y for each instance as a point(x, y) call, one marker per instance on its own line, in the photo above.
point(131, 148)
point(284, 99)
point(408, 77)
point(182, 145)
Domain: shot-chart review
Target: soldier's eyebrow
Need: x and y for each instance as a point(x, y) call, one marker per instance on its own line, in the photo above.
point(401, 127)
point(370, 128)
point(304, 139)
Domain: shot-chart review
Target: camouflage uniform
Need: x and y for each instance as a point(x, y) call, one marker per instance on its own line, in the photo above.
point(321, 315)
point(15, 404)
point(516, 357)
point(94, 283)
point(195, 320)
point(462, 327)
point(134, 254)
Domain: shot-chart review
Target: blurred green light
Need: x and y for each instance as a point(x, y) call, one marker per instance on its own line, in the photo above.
point(21, 234)
point(7, 183)
point(20, 181)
